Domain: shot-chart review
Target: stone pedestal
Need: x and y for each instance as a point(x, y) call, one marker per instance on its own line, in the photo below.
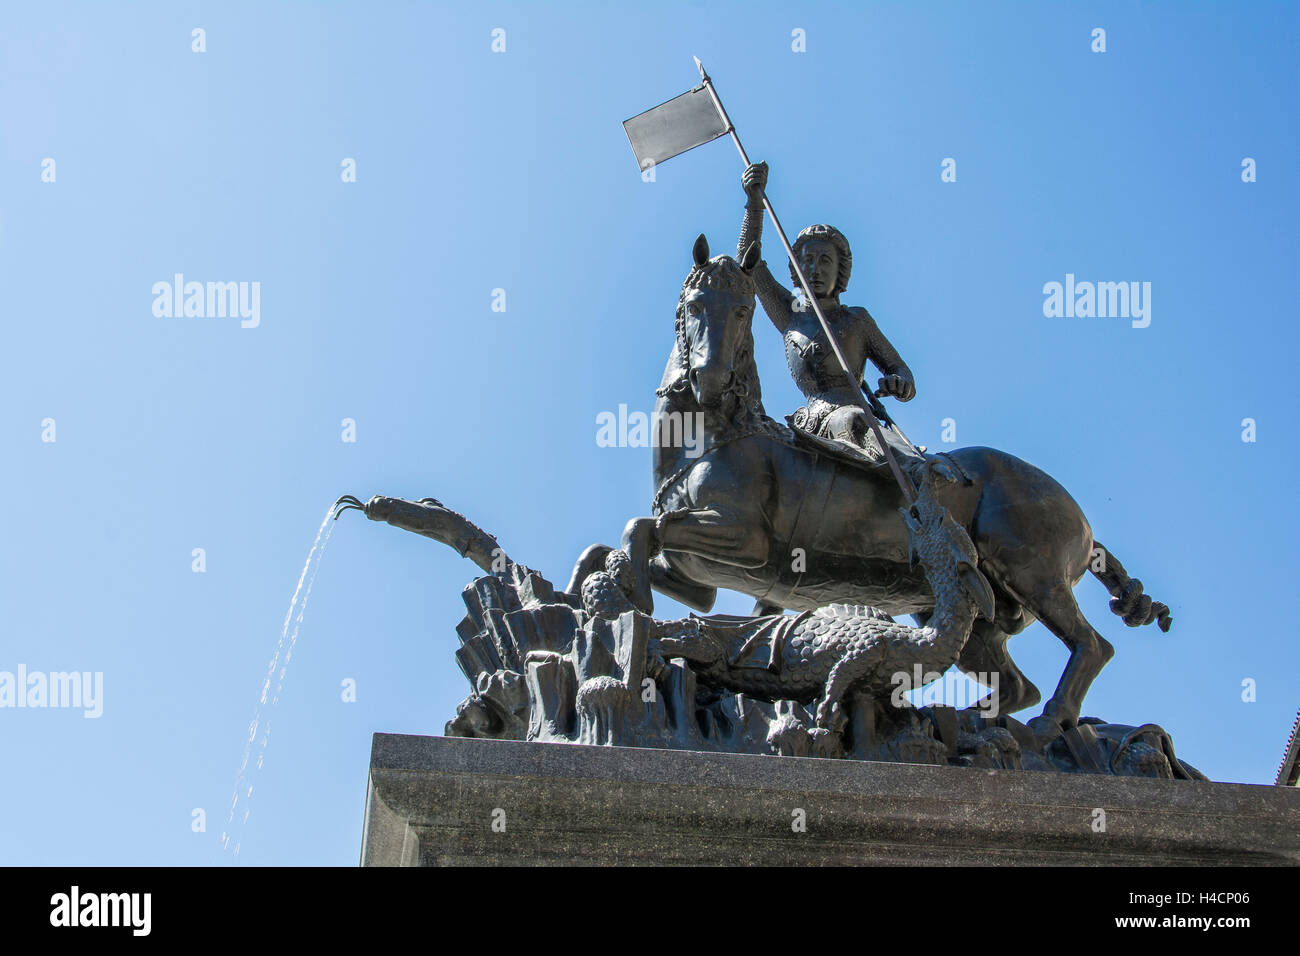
point(437, 801)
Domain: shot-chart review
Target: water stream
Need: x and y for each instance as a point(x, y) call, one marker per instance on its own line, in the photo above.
point(242, 796)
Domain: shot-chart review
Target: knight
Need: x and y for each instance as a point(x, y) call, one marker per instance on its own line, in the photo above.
point(832, 409)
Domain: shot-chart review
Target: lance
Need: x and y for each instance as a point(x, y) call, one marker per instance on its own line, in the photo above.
point(878, 408)
point(904, 482)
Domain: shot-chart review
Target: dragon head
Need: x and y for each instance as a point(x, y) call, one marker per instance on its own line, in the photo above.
point(936, 539)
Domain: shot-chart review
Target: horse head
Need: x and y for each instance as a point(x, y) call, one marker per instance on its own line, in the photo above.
point(715, 338)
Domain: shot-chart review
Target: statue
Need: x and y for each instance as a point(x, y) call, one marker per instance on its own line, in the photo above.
point(832, 410)
point(802, 517)
point(733, 516)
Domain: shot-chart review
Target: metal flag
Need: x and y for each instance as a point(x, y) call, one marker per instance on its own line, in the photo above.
point(672, 128)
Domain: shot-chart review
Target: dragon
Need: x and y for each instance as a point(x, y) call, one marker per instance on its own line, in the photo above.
point(822, 656)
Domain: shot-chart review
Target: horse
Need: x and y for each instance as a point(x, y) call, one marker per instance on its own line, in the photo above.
point(767, 512)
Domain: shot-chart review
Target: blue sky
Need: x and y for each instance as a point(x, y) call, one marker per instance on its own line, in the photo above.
point(479, 170)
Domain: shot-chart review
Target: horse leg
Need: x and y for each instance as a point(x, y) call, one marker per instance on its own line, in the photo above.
point(665, 579)
point(641, 544)
point(737, 540)
point(590, 561)
point(1036, 544)
point(1089, 653)
point(706, 532)
point(985, 655)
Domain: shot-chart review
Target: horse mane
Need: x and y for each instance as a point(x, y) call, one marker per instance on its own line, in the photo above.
point(722, 274)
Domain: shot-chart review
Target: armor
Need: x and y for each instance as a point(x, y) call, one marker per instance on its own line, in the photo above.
point(831, 410)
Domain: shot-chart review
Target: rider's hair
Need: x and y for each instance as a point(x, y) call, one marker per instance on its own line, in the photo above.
point(836, 239)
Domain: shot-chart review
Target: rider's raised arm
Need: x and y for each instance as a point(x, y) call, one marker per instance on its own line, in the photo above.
point(898, 380)
point(777, 301)
point(753, 182)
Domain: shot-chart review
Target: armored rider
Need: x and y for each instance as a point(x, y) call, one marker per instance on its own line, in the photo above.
point(832, 410)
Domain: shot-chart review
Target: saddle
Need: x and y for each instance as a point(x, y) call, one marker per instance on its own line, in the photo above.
point(852, 455)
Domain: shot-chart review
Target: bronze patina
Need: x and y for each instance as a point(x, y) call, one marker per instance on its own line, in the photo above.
point(828, 515)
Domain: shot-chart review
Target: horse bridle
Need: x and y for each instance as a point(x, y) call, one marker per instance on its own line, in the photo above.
point(735, 387)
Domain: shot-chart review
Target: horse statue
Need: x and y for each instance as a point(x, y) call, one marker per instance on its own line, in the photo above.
point(798, 524)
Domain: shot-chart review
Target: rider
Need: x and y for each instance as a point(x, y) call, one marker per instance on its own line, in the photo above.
point(832, 410)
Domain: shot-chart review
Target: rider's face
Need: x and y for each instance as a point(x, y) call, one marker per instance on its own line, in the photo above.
point(820, 264)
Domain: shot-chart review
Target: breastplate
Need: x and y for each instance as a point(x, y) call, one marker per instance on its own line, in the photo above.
point(812, 361)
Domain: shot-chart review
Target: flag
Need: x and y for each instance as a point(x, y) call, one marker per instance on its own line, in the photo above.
point(671, 128)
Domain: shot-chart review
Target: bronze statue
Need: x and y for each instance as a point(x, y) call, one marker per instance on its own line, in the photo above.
point(832, 409)
point(775, 514)
point(801, 517)
point(783, 515)
point(585, 666)
point(821, 516)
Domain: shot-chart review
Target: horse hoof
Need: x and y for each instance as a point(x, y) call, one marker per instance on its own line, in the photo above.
point(644, 603)
point(1045, 727)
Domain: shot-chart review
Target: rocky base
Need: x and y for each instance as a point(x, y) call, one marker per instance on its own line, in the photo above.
point(544, 668)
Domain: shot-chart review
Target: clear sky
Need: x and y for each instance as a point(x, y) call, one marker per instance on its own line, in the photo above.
point(478, 171)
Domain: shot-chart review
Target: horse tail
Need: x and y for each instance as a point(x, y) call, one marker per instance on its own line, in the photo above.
point(1128, 601)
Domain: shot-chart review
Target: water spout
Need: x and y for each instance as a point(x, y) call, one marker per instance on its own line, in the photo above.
point(279, 663)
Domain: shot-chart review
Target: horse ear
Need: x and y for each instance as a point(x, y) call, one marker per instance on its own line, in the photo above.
point(701, 250)
point(751, 256)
